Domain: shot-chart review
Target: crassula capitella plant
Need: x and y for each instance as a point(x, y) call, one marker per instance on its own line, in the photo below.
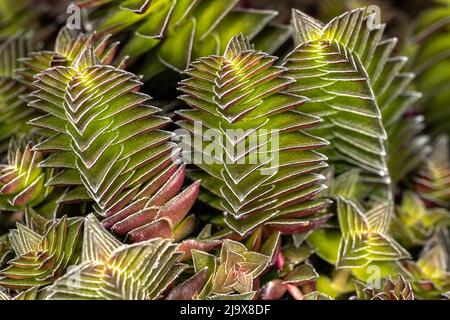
point(207, 150)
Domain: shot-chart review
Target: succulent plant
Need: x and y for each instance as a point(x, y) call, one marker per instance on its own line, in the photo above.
point(346, 69)
point(430, 275)
point(277, 162)
point(391, 290)
point(233, 273)
point(237, 269)
point(243, 90)
point(414, 222)
point(364, 236)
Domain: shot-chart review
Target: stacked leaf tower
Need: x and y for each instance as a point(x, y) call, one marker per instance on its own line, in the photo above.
point(108, 193)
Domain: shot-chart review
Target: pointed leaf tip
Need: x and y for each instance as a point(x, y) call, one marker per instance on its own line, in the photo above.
point(237, 45)
point(306, 27)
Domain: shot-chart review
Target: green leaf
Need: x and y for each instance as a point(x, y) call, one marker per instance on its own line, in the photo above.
point(325, 243)
point(271, 38)
point(409, 147)
point(415, 221)
point(237, 269)
point(301, 275)
point(248, 22)
point(339, 283)
point(176, 51)
point(208, 262)
point(430, 46)
point(430, 273)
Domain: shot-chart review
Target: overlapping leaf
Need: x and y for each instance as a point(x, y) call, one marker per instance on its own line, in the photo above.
point(159, 215)
point(409, 147)
point(30, 294)
point(68, 46)
point(259, 136)
point(237, 269)
point(233, 272)
point(430, 274)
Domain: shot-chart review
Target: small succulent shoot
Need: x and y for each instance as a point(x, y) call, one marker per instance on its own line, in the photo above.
point(364, 236)
point(430, 276)
point(433, 183)
point(109, 142)
point(22, 181)
point(238, 268)
point(414, 222)
point(400, 289)
point(41, 259)
point(111, 270)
